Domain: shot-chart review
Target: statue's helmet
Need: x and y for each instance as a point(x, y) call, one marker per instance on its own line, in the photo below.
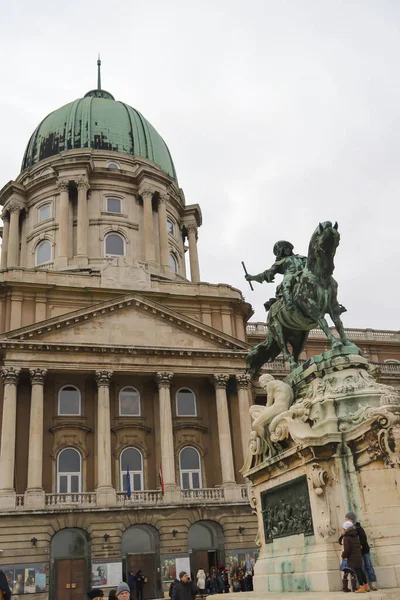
point(280, 246)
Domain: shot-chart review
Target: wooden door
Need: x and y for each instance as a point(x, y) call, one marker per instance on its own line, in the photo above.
point(147, 564)
point(70, 579)
point(199, 561)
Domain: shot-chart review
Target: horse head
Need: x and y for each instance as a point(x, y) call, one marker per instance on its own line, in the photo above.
point(322, 248)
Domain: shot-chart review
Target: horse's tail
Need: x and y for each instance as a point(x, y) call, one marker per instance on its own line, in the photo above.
point(262, 353)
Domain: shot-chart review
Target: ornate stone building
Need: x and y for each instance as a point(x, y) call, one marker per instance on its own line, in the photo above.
point(122, 375)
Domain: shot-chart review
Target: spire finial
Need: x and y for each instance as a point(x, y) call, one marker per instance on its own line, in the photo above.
point(99, 73)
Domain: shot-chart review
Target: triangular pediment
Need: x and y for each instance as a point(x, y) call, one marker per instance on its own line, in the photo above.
point(130, 320)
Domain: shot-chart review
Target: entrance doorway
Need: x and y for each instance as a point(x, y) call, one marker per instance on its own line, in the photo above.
point(141, 551)
point(69, 567)
point(206, 546)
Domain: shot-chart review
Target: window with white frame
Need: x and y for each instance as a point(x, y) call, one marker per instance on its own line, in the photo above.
point(43, 253)
point(170, 226)
point(69, 401)
point(129, 402)
point(173, 263)
point(190, 469)
point(131, 463)
point(114, 205)
point(69, 471)
point(44, 212)
point(114, 245)
point(186, 405)
point(113, 165)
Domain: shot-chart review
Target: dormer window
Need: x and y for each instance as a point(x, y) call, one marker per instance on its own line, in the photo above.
point(114, 205)
point(114, 245)
point(170, 226)
point(44, 212)
point(43, 253)
point(113, 165)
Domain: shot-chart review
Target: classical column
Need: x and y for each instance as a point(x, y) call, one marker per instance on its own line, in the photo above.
point(193, 255)
point(13, 239)
point(243, 386)
point(16, 310)
point(147, 196)
point(4, 245)
point(163, 231)
point(8, 435)
point(63, 222)
point(105, 491)
point(83, 221)
point(224, 430)
point(34, 495)
point(166, 431)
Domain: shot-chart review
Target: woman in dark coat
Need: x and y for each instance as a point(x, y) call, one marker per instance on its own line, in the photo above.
point(5, 592)
point(352, 553)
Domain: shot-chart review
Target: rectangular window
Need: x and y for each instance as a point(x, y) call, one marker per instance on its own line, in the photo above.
point(63, 484)
point(137, 482)
point(74, 484)
point(185, 481)
point(44, 212)
point(196, 481)
point(114, 205)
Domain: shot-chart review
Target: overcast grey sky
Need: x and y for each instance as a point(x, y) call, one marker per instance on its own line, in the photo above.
point(278, 114)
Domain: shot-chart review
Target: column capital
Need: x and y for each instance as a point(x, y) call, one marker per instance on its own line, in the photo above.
point(10, 375)
point(146, 192)
point(82, 184)
point(37, 376)
point(5, 215)
point(103, 378)
point(63, 185)
point(191, 227)
point(220, 380)
point(164, 379)
point(164, 196)
point(14, 207)
point(243, 380)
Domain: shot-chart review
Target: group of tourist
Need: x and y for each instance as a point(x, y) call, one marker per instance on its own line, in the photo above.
point(356, 560)
point(125, 591)
point(216, 581)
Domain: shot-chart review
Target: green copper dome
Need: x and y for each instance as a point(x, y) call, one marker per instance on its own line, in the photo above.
point(98, 121)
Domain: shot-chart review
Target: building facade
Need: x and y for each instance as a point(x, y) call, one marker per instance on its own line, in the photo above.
point(124, 406)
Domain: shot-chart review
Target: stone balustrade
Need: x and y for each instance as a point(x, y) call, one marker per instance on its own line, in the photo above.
point(79, 499)
point(259, 329)
point(139, 498)
point(201, 494)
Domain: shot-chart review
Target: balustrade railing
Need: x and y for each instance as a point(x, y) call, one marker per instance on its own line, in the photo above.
point(208, 494)
point(19, 500)
point(82, 498)
point(365, 334)
point(143, 497)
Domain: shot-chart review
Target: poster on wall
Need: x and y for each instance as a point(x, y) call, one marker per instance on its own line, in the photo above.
point(241, 559)
point(26, 579)
point(106, 574)
point(172, 565)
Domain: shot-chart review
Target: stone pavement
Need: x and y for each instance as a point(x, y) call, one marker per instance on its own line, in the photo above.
point(392, 594)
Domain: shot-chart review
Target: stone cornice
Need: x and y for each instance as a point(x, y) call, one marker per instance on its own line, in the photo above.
point(136, 302)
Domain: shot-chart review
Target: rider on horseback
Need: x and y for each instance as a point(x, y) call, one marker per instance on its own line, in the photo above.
point(287, 264)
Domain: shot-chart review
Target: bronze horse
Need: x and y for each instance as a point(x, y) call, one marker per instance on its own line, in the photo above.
point(314, 295)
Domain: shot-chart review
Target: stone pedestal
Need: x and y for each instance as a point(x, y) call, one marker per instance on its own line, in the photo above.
point(336, 449)
point(34, 498)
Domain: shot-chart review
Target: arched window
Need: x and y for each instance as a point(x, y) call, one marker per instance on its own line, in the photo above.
point(186, 405)
point(114, 245)
point(69, 471)
point(43, 253)
point(129, 402)
point(170, 226)
point(173, 263)
point(69, 401)
point(190, 469)
point(44, 212)
point(131, 461)
point(113, 165)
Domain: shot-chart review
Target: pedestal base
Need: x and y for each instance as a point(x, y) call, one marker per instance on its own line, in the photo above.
point(7, 499)
point(34, 498)
point(106, 496)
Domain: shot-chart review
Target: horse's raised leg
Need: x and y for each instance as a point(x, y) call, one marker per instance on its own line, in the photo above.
point(322, 322)
point(335, 316)
point(282, 343)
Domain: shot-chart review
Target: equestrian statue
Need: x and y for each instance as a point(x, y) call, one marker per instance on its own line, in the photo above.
point(307, 293)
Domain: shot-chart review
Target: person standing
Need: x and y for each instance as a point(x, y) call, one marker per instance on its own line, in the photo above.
point(5, 592)
point(123, 591)
point(201, 581)
point(96, 594)
point(139, 584)
point(367, 564)
point(352, 553)
point(184, 589)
